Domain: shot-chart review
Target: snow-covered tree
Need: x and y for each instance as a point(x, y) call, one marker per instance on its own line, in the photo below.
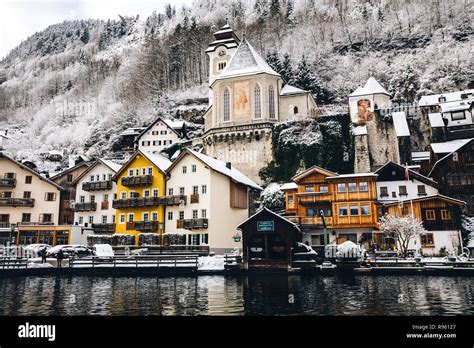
point(287, 69)
point(405, 84)
point(273, 198)
point(403, 229)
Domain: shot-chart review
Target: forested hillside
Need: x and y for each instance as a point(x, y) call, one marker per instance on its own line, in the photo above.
point(76, 85)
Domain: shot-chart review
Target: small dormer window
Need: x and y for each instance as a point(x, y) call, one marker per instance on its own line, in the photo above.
point(442, 99)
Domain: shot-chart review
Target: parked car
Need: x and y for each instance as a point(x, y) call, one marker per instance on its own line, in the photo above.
point(34, 250)
point(75, 250)
point(303, 252)
point(103, 251)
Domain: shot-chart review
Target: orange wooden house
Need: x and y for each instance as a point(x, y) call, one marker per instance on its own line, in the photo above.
point(347, 202)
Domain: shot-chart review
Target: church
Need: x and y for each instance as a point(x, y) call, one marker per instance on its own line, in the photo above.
point(247, 97)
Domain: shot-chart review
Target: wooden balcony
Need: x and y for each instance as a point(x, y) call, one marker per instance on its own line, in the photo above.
point(97, 185)
point(7, 182)
point(143, 226)
point(103, 228)
point(140, 180)
point(90, 206)
point(173, 200)
point(195, 198)
point(313, 197)
point(192, 224)
point(17, 202)
point(311, 221)
point(136, 202)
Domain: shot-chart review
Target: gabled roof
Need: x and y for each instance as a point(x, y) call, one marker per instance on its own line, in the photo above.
point(411, 173)
point(168, 123)
point(38, 175)
point(427, 198)
point(265, 209)
point(457, 105)
point(246, 61)
point(159, 161)
point(70, 169)
point(112, 165)
point(290, 90)
point(289, 186)
point(438, 163)
point(371, 87)
point(311, 170)
point(433, 99)
point(449, 146)
point(218, 166)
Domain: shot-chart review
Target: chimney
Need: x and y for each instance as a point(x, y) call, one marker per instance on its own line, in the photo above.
point(228, 165)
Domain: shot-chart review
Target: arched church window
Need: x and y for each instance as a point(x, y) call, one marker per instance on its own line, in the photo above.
point(271, 102)
point(295, 110)
point(226, 105)
point(258, 101)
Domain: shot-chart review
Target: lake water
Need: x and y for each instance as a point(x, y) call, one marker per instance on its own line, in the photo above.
point(243, 295)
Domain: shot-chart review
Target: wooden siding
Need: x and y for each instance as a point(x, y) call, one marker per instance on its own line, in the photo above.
point(238, 195)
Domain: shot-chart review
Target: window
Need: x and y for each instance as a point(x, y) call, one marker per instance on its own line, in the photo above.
point(205, 238)
point(181, 215)
point(92, 198)
point(6, 194)
point(271, 102)
point(184, 169)
point(394, 194)
point(341, 187)
point(195, 214)
point(29, 179)
point(81, 220)
point(291, 200)
point(405, 210)
point(154, 216)
point(104, 219)
point(421, 190)
point(364, 210)
point(402, 191)
point(195, 190)
point(204, 189)
point(82, 199)
point(130, 172)
point(181, 191)
point(27, 194)
point(203, 213)
point(310, 212)
point(113, 218)
point(383, 191)
point(456, 116)
point(221, 65)
point(427, 240)
point(123, 195)
point(193, 168)
point(363, 186)
point(97, 177)
point(445, 214)
point(146, 193)
point(106, 197)
point(170, 215)
point(122, 218)
point(46, 218)
point(354, 210)
point(295, 110)
point(323, 189)
point(146, 216)
point(104, 177)
point(50, 196)
point(137, 171)
point(226, 105)
point(257, 102)
point(442, 99)
point(133, 194)
point(352, 187)
point(342, 211)
point(155, 192)
point(109, 177)
point(130, 217)
point(91, 219)
point(26, 217)
point(170, 191)
point(430, 215)
point(309, 188)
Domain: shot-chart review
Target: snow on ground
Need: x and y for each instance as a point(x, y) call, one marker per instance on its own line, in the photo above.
point(211, 263)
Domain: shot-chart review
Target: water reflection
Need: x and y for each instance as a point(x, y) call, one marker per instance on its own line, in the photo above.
point(246, 295)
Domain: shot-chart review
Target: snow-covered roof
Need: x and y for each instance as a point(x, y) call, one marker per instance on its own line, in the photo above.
point(220, 166)
point(161, 162)
point(420, 155)
point(174, 124)
point(428, 197)
point(55, 152)
point(355, 175)
point(371, 87)
point(359, 130)
point(470, 243)
point(112, 165)
point(433, 99)
point(246, 61)
point(265, 209)
point(449, 146)
point(400, 123)
point(289, 90)
point(436, 120)
point(456, 105)
point(175, 155)
point(132, 131)
point(115, 167)
point(289, 186)
point(461, 143)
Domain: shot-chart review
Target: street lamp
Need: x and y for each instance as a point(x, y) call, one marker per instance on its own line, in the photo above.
point(237, 238)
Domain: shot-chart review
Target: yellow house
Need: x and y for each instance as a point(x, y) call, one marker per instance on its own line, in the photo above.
point(140, 183)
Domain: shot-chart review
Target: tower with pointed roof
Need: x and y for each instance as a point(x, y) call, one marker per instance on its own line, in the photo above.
point(247, 97)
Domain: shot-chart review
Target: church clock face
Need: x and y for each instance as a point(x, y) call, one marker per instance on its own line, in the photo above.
point(221, 52)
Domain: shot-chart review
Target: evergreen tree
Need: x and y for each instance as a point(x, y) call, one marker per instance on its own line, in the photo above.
point(405, 84)
point(306, 79)
point(274, 7)
point(287, 69)
point(85, 36)
point(289, 15)
point(274, 61)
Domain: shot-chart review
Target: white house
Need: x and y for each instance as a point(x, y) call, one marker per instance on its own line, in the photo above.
point(160, 134)
point(95, 191)
point(211, 201)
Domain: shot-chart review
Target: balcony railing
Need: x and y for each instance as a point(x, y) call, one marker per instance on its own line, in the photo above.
point(4, 224)
point(143, 226)
point(103, 228)
point(313, 197)
point(7, 182)
point(192, 224)
point(140, 180)
point(90, 206)
point(173, 200)
point(17, 202)
point(315, 221)
point(136, 202)
point(194, 198)
point(97, 186)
